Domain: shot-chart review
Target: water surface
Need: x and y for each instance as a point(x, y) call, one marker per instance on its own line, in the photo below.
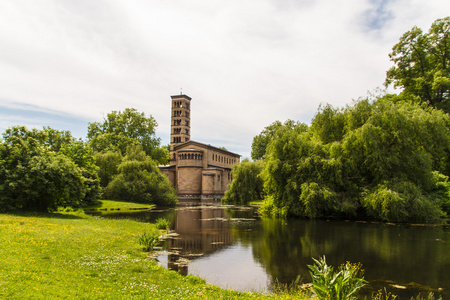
point(233, 248)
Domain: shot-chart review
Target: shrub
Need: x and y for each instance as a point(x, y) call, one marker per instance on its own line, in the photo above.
point(162, 224)
point(247, 184)
point(149, 241)
point(33, 178)
point(140, 180)
point(329, 285)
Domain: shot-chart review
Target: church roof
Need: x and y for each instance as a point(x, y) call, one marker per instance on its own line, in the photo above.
point(191, 142)
point(190, 150)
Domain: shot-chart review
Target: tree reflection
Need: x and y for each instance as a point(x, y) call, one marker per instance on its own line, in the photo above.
point(402, 254)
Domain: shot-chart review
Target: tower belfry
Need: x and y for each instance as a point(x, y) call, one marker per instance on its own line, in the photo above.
point(180, 129)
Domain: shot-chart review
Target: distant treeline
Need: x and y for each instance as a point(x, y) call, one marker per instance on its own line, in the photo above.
point(41, 170)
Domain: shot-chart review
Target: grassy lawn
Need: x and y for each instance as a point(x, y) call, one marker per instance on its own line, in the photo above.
point(118, 205)
point(74, 256)
point(256, 204)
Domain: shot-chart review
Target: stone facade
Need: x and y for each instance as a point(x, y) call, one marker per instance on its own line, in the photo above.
point(196, 170)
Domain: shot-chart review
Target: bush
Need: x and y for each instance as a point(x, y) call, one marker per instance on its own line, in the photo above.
point(400, 202)
point(329, 285)
point(149, 241)
point(33, 178)
point(162, 224)
point(139, 180)
point(247, 184)
point(317, 200)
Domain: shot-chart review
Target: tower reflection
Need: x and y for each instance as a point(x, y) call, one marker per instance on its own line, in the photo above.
point(200, 231)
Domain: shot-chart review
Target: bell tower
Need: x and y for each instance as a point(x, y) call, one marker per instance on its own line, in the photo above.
point(180, 128)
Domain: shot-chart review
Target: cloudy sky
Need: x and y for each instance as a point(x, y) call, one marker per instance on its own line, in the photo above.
point(245, 63)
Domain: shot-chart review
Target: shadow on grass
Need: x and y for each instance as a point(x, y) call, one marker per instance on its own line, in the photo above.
point(52, 215)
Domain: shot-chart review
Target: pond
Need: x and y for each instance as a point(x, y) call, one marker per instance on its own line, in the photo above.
point(234, 248)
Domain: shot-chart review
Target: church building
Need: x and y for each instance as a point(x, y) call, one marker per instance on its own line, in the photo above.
point(197, 171)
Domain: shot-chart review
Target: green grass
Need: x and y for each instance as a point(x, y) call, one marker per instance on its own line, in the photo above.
point(74, 256)
point(256, 203)
point(118, 205)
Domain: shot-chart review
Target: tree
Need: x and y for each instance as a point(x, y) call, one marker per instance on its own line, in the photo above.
point(140, 180)
point(388, 161)
point(34, 178)
point(422, 64)
point(130, 127)
point(107, 162)
point(261, 141)
point(81, 154)
point(247, 185)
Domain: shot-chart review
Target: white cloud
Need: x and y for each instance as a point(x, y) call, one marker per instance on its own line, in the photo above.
point(244, 63)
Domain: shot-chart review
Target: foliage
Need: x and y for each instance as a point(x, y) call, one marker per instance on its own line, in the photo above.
point(382, 159)
point(384, 295)
point(139, 180)
point(149, 241)
point(330, 285)
point(107, 163)
point(429, 296)
point(422, 64)
point(35, 177)
point(81, 154)
point(294, 287)
point(162, 224)
point(122, 129)
point(247, 185)
point(261, 141)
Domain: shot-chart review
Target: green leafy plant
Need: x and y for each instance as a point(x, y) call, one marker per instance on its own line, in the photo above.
point(384, 295)
point(162, 224)
point(331, 285)
point(149, 241)
point(429, 296)
point(295, 287)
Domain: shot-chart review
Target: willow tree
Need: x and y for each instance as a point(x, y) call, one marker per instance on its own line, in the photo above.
point(247, 185)
point(381, 160)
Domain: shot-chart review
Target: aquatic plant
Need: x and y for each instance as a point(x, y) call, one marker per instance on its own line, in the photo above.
point(330, 285)
point(162, 224)
point(149, 241)
point(384, 295)
point(429, 296)
point(295, 287)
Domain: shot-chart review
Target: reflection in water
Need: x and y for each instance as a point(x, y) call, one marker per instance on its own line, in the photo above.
point(200, 231)
point(402, 255)
point(234, 249)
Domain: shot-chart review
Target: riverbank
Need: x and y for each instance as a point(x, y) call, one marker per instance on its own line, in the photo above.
point(72, 255)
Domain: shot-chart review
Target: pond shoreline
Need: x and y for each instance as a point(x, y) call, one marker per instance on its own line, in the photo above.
point(345, 237)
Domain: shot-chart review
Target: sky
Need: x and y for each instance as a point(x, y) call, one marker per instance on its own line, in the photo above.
point(244, 63)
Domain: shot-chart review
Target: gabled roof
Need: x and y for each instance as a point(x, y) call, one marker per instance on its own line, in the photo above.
point(191, 142)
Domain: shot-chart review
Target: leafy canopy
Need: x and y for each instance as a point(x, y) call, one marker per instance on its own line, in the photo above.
point(138, 179)
point(422, 64)
point(380, 160)
point(130, 127)
point(43, 169)
point(247, 185)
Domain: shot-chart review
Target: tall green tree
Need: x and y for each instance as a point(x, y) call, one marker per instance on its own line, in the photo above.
point(247, 185)
point(388, 161)
point(81, 154)
point(108, 163)
point(130, 127)
point(422, 64)
point(262, 140)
